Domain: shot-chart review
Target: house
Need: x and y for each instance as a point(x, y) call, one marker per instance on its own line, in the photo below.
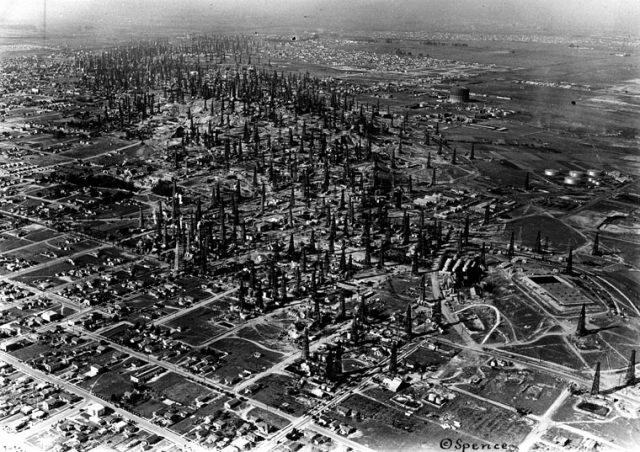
point(241, 443)
point(393, 385)
point(11, 346)
point(119, 426)
point(52, 366)
point(232, 404)
point(96, 409)
point(293, 447)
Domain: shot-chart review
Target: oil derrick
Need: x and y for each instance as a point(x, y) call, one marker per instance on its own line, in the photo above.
point(466, 230)
point(241, 296)
point(343, 306)
point(312, 242)
point(595, 387)
point(414, 263)
point(380, 264)
point(203, 254)
point(595, 251)
point(630, 376)
point(258, 295)
point(408, 322)
point(367, 252)
point(159, 218)
point(174, 200)
point(363, 310)
point(487, 213)
point(223, 230)
point(393, 358)
point(351, 211)
point(141, 219)
point(292, 248)
point(263, 198)
point(303, 260)
point(511, 250)
point(283, 294)
point(343, 258)
point(298, 280)
point(355, 331)
point(305, 345)
point(198, 211)
point(569, 269)
point(472, 155)
point(337, 360)
point(582, 329)
point(316, 308)
point(453, 157)
point(165, 236)
point(526, 181)
point(429, 160)
point(434, 180)
point(538, 245)
point(423, 288)
point(436, 313)
point(330, 365)
point(406, 228)
point(177, 265)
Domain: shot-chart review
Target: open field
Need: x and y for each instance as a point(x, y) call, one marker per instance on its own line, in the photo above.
point(197, 326)
point(560, 236)
point(179, 389)
point(243, 355)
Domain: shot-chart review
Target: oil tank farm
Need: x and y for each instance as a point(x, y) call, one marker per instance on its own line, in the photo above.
point(458, 95)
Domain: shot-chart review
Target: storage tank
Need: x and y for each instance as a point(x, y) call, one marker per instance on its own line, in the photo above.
point(594, 173)
point(576, 173)
point(551, 172)
point(459, 94)
point(569, 180)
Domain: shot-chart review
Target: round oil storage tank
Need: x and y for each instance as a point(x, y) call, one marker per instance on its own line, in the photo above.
point(459, 94)
point(575, 173)
point(569, 180)
point(551, 172)
point(594, 173)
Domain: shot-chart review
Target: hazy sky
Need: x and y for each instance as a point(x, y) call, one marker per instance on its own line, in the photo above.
point(596, 15)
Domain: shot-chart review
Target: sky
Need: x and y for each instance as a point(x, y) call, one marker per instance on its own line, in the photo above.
point(584, 15)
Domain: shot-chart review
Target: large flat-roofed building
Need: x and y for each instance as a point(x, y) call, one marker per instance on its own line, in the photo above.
point(459, 94)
